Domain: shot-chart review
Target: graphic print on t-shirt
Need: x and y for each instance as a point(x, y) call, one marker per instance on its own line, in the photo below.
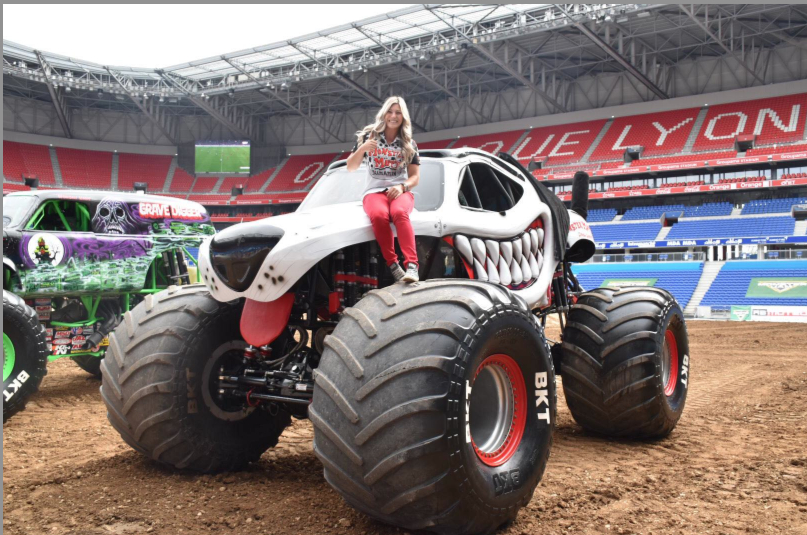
point(386, 161)
point(385, 165)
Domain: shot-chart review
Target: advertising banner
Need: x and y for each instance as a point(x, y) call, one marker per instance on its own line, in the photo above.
point(624, 283)
point(740, 313)
point(705, 188)
point(777, 287)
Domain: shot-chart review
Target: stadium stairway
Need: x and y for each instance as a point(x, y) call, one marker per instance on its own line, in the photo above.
point(710, 271)
point(273, 175)
point(170, 176)
point(57, 171)
point(597, 140)
point(516, 145)
point(696, 128)
point(662, 235)
point(115, 166)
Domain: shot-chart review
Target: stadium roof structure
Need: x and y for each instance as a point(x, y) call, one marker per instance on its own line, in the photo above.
point(457, 65)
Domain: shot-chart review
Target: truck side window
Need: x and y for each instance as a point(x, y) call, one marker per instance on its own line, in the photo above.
point(61, 215)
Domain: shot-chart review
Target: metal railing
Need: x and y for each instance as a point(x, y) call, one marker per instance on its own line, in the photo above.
point(649, 257)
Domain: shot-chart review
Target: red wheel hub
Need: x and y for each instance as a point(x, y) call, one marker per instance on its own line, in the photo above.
point(670, 362)
point(497, 409)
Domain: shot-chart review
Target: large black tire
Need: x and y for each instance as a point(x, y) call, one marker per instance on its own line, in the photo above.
point(25, 363)
point(158, 384)
point(89, 364)
point(626, 362)
point(401, 374)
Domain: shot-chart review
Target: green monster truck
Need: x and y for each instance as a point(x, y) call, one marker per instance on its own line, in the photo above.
point(73, 263)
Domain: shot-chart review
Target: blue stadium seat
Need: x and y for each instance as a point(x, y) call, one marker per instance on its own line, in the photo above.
point(732, 283)
point(601, 215)
point(650, 212)
point(654, 212)
point(627, 232)
point(713, 209)
point(772, 206)
point(678, 278)
point(736, 227)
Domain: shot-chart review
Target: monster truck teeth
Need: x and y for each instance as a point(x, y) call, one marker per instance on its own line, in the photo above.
point(512, 262)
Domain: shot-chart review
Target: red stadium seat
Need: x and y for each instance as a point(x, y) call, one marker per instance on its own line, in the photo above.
point(492, 143)
point(182, 181)
point(659, 133)
point(778, 149)
point(440, 144)
point(204, 184)
point(560, 144)
point(771, 120)
point(26, 159)
point(300, 171)
point(148, 168)
point(684, 158)
point(85, 168)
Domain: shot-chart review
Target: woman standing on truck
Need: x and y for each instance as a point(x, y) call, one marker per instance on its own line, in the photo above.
point(393, 169)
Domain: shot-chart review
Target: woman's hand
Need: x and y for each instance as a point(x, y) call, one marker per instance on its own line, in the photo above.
point(394, 192)
point(370, 145)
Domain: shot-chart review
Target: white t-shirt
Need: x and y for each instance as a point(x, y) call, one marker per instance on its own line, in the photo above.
point(385, 165)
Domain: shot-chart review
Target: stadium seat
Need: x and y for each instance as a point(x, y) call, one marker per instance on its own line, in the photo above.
point(658, 133)
point(148, 168)
point(694, 157)
point(601, 215)
point(771, 120)
point(85, 168)
point(300, 172)
point(181, 182)
point(777, 149)
point(736, 279)
point(25, 159)
point(612, 232)
point(678, 278)
point(492, 143)
point(204, 184)
point(772, 206)
point(559, 144)
point(440, 144)
point(734, 227)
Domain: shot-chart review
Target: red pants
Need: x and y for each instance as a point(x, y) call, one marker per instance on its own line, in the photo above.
point(379, 208)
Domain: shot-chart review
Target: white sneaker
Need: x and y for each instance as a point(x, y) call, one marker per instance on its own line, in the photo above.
point(411, 274)
point(397, 271)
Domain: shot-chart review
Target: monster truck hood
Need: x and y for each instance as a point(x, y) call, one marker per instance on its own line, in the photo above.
point(295, 243)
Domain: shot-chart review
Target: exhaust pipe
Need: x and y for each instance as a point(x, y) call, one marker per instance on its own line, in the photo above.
point(580, 194)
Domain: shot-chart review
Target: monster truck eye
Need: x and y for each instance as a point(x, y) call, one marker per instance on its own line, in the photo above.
point(119, 212)
point(104, 212)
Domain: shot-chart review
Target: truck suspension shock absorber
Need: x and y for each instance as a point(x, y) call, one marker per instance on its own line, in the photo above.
point(351, 291)
point(339, 269)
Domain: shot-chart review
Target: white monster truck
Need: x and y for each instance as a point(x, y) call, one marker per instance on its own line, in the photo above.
point(433, 404)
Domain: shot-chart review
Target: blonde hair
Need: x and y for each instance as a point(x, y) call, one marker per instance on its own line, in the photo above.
point(404, 131)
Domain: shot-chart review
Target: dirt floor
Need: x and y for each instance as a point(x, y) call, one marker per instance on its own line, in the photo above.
point(737, 463)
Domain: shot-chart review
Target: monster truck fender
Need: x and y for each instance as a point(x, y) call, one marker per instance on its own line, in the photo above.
point(9, 264)
point(263, 259)
point(580, 243)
